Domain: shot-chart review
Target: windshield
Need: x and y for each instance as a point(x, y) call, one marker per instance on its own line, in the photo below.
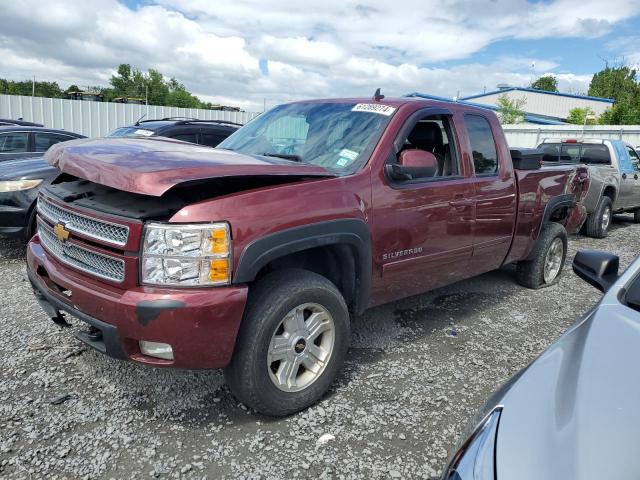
point(131, 132)
point(337, 136)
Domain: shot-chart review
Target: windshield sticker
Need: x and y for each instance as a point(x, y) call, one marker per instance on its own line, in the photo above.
point(385, 110)
point(146, 133)
point(349, 154)
point(343, 161)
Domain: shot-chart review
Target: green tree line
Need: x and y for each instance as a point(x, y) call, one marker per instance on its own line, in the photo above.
point(127, 82)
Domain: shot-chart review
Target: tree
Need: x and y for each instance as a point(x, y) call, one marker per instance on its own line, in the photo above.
point(582, 116)
point(546, 82)
point(510, 111)
point(620, 84)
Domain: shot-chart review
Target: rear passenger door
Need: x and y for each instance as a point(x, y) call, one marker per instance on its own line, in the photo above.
point(494, 193)
point(627, 181)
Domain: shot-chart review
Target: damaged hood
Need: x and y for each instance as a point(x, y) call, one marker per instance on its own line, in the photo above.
point(152, 166)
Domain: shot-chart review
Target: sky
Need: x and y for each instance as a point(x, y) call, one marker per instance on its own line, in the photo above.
point(247, 52)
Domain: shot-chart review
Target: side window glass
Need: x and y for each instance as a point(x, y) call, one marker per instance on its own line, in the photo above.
point(635, 159)
point(434, 134)
point(14, 142)
point(186, 137)
point(42, 141)
point(483, 146)
point(210, 140)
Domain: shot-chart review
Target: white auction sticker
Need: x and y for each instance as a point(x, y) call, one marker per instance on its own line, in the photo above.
point(374, 108)
point(141, 131)
point(349, 154)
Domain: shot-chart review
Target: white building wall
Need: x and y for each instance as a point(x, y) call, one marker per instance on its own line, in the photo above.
point(96, 119)
point(545, 104)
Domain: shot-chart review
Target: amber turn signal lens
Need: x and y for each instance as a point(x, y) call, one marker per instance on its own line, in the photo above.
point(219, 270)
point(219, 242)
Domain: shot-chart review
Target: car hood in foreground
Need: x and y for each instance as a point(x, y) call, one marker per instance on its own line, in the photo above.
point(27, 168)
point(574, 413)
point(152, 166)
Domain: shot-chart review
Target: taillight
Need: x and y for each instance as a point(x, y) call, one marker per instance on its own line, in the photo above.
point(570, 140)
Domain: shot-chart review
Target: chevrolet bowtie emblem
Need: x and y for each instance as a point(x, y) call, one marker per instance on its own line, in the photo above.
point(61, 232)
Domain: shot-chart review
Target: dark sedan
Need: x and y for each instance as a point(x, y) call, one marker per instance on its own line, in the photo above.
point(24, 141)
point(573, 412)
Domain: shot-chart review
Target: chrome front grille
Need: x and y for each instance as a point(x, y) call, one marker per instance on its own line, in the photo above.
point(91, 227)
point(97, 264)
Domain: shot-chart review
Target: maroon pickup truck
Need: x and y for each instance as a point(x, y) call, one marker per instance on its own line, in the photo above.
point(252, 256)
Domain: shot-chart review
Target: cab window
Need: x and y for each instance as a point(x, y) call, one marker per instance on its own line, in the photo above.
point(635, 159)
point(483, 146)
point(434, 134)
point(42, 141)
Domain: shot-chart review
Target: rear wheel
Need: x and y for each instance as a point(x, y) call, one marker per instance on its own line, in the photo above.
point(546, 259)
point(599, 221)
point(292, 342)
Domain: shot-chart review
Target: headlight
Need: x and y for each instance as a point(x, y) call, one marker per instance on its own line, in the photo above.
point(475, 460)
point(186, 255)
point(17, 185)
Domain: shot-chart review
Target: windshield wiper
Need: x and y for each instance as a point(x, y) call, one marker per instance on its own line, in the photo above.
point(286, 156)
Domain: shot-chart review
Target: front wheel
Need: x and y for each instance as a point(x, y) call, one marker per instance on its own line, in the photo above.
point(546, 260)
point(291, 344)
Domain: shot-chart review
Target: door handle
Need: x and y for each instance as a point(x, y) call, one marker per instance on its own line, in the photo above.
point(461, 204)
point(624, 176)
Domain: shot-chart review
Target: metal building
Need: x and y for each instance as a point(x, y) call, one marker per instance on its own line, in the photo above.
point(548, 107)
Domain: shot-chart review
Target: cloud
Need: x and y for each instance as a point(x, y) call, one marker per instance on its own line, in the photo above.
point(335, 48)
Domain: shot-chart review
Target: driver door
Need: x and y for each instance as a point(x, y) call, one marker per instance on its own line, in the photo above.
point(423, 227)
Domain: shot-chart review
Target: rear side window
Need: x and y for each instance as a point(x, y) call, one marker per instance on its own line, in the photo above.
point(14, 142)
point(44, 140)
point(186, 137)
point(576, 153)
point(483, 146)
point(211, 140)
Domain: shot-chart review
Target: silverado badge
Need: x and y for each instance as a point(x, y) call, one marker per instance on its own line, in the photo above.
point(61, 232)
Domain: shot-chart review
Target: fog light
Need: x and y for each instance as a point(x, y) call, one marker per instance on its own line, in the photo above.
point(156, 349)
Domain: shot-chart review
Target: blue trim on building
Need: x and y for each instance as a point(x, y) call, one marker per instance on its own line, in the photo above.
point(535, 90)
point(529, 117)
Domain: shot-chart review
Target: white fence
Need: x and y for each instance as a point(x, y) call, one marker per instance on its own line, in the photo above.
point(531, 136)
point(95, 119)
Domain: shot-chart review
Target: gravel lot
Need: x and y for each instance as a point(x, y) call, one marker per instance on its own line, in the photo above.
point(416, 373)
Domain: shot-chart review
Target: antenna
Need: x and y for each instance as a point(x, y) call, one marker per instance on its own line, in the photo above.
point(138, 121)
point(378, 96)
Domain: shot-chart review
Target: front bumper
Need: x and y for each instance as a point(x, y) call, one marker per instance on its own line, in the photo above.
point(200, 324)
point(15, 212)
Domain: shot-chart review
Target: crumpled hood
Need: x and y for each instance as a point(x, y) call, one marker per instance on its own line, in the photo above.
point(152, 166)
point(575, 412)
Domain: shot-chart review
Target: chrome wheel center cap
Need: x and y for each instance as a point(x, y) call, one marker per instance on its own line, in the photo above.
point(300, 346)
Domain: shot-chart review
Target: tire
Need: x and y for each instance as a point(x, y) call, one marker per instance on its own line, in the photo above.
point(599, 221)
point(251, 376)
point(636, 216)
point(531, 273)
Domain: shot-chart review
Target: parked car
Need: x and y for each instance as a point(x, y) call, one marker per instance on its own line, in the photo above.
point(573, 412)
point(25, 141)
point(8, 122)
point(614, 169)
point(250, 257)
point(203, 132)
point(21, 179)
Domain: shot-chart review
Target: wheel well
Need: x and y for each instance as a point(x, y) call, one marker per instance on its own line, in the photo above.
point(334, 262)
point(559, 215)
point(610, 192)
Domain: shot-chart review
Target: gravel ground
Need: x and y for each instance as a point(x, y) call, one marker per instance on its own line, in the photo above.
point(417, 371)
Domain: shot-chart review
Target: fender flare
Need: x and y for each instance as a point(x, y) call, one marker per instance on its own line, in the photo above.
point(352, 232)
point(559, 201)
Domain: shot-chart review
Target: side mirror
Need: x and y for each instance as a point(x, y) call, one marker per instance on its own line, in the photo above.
point(413, 164)
point(597, 267)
